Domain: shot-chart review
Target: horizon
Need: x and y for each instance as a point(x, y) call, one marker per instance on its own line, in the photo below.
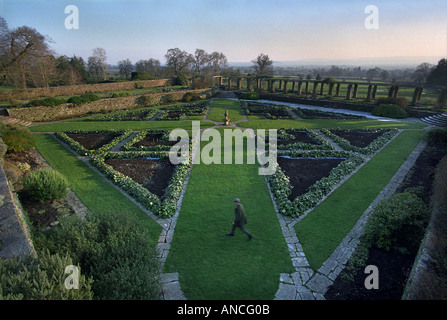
point(286, 30)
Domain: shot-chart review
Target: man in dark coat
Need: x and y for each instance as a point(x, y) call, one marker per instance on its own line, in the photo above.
point(239, 220)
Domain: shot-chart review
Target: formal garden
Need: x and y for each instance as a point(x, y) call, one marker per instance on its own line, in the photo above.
point(147, 217)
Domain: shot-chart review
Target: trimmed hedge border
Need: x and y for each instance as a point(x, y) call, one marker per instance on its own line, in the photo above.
point(281, 188)
point(163, 207)
point(148, 114)
point(371, 148)
point(81, 150)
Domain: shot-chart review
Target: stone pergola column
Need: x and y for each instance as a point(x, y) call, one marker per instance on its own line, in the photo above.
point(322, 88)
point(307, 88)
point(368, 95)
point(349, 92)
point(285, 86)
point(396, 91)
point(314, 90)
point(293, 85)
point(248, 84)
point(229, 83)
point(331, 88)
point(272, 86)
point(356, 91)
point(337, 89)
point(300, 87)
point(239, 83)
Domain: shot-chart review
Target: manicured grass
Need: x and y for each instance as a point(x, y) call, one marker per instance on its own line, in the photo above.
point(219, 106)
point(213, 265)
point(320, 124)
point(93, 190)
point(118, 125)
point(325, 227)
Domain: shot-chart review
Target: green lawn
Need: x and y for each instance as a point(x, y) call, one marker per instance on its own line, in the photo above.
point(324, 228)
point(93, 190)
point(212, 265)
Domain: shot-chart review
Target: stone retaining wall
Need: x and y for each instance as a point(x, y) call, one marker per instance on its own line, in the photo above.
point(34, 93)
point(67, 111)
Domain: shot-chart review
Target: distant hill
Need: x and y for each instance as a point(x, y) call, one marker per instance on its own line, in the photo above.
point(381, 62)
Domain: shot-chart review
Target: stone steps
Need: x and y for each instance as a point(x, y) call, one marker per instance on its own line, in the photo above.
point(439, 120)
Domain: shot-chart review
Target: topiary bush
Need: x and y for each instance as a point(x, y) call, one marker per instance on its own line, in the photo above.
point(17, 138)
point(401, 101)
point(45, 184)
point(397, 222)
point(389, 111)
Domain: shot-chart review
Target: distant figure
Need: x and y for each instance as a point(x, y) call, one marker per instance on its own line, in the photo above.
point(226, 119)
point(240, 219)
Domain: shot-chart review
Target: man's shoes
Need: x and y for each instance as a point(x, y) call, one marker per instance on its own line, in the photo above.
point(230, 234)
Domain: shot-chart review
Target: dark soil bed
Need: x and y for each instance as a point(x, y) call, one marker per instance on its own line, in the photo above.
point(153, 174)
point(358, 138)
point(300, 136)
point(153, 139)
point(394, 267)
point(93, 141)
point(303, 173)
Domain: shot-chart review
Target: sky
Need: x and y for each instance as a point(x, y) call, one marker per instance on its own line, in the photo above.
point(285, 30)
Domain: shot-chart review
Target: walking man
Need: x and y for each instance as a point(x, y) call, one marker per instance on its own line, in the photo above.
point(240, 219)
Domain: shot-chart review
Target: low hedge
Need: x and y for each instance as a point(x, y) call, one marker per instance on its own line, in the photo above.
point(389, 111)
point(283, 135)
point(281, 187)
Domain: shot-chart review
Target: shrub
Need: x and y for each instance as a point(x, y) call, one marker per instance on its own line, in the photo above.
point(43, 278)
point(114, 249)
point(45, 184)
point(389, 111)
point(120, 94)
point(401, 102)
point(17, 138)
point(397, 222)
point(83, 98)
point(47, 102)
point(181, 80)
point(190, 96)
point(250, 96)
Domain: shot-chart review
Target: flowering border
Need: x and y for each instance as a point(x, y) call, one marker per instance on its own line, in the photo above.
point(371, 148)
point(81, 150)
point(281, 188)
point(164, 206)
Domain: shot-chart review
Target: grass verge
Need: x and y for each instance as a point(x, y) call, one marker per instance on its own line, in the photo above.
point(93, 190)
point(322, 230)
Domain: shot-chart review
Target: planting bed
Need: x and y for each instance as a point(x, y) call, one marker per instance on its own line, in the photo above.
point(149, 177)
point(150, 140)
point(365, 141)
point(316, 114)
point(303, 173)
point(303, 178)
point(153, 174)
point(92, 142)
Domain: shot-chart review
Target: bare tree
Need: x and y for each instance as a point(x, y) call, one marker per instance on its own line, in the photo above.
point(422, 72)
point(217, 61)
point(97, 63)
point(263, 65)
point(18, 48)
point(126, 67)
point(151, 66)
point(178, 60)
point(201, 59)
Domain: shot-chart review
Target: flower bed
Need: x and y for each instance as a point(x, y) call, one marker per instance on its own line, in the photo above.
point(313, 141)
point(376, 144)
point(281, 187)
point(181, 112)
point(79, 148)
point(164, 206)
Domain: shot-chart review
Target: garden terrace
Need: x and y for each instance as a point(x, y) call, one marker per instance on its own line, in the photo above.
point(131, 115)
point(87, 143)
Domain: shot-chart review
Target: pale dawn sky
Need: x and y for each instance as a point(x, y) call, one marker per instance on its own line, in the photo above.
point(285, 30)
